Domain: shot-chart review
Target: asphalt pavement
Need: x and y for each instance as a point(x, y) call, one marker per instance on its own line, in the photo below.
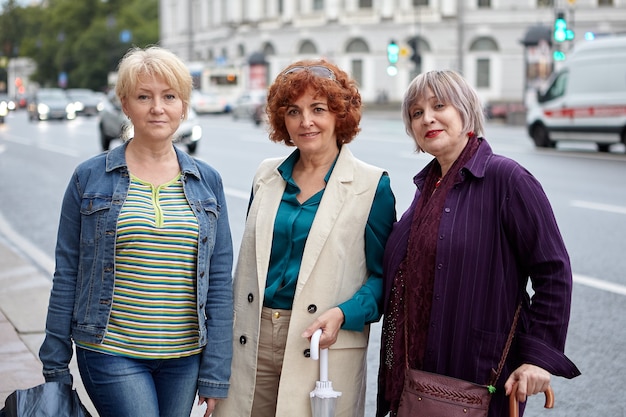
point(24, 291)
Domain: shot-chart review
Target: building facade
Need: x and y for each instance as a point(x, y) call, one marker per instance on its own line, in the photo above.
point(494, 43)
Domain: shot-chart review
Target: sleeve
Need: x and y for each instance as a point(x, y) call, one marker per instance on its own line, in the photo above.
point(56, 351)
point(365, 305)
point(217, 354)
point(534, 233)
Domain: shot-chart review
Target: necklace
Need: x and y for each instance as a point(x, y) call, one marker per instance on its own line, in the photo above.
point(438, 183)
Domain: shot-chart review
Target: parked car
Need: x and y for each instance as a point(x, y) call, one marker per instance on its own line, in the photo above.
point(113, 123)
point(204, 103)
point(86, 101)
point(50, 103)
point(246, 105)
point(260, 116)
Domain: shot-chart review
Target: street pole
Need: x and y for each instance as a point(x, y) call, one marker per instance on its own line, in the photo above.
point(460, 12)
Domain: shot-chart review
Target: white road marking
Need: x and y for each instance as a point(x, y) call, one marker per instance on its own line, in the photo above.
point(600, 285)
point(599, 206)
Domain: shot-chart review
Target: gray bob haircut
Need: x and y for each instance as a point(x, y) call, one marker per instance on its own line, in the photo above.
point(154, 61)
point(451, 88)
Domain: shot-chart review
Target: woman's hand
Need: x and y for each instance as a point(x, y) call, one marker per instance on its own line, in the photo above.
point(530, 380)
point(210, 405)
point(330, 322)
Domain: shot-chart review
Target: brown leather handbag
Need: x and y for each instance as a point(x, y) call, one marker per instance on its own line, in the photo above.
point(426, 394)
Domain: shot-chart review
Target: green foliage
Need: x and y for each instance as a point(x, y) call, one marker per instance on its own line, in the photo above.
point(81, 38)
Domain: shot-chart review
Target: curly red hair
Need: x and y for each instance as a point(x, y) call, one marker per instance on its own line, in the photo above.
point(344, 99)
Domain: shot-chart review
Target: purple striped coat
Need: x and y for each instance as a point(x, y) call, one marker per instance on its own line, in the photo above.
point(497, 231)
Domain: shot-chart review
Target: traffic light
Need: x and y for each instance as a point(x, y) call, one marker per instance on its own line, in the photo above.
point(558, 56)
point(561, 32)
point(416, 58)
point(560, 28)
point(393, 52)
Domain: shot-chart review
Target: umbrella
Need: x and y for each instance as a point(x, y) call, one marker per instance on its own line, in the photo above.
point(514, 405)
point(323, 397)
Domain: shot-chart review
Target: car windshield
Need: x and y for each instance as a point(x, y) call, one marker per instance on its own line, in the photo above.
point(55, 95)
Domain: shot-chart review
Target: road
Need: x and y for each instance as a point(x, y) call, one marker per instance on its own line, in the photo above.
point(587, 190)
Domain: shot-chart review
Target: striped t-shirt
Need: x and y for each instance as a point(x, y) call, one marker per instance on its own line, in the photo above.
point(154, 299)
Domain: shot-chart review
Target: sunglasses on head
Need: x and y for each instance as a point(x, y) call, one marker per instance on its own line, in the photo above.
point(319, 70)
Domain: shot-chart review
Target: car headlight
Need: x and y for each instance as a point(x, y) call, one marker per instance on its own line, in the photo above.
point(78, 106)
point(196, 133)
point(43, 108)
point(70, 108)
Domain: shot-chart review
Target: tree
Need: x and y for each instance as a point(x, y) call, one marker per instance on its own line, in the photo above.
point(80, 38)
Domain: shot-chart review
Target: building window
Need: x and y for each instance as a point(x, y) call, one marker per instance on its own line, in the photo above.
point(318, 4)
point(365, 4)
point(420, 3)
point(484, 4)
point(545, 3)
point(308, 48)
point(482, 73)
point(605, 2)
point(357, 46)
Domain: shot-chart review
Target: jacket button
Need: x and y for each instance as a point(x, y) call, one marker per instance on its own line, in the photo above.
point(312, 308)
point(307, 353)
point(243, 340)
point(250, 298)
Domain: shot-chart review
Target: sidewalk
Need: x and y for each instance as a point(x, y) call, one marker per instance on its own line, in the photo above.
point(24, 292)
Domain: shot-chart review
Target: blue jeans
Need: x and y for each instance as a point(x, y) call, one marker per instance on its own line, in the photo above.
point(125, 387)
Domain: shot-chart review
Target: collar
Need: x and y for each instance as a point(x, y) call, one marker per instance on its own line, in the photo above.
point(476, 166)
point(286, 167)
point(116, 159)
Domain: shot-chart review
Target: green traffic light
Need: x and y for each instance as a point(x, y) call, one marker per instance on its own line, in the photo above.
point(558, 55)
point(393, 52)
point(560, 29)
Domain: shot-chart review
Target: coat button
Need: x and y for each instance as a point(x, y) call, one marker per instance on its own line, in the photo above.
point(243, 340)
point(312, 308)
point(307, 353)
point(250, 298)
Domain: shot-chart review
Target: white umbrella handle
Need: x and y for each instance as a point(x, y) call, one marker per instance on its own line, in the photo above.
point(321, 354)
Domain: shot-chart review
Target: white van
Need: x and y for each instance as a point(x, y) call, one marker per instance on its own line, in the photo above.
point(586, 99)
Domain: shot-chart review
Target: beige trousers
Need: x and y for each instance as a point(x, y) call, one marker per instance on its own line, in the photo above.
point(272, 341)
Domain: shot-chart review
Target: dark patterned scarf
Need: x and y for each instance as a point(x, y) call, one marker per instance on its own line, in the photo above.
point(415, 280)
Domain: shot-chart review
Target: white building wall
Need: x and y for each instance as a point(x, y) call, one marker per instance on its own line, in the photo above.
point(227, 24)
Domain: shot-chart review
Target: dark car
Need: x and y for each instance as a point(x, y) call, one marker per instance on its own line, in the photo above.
point(113, 123)
point(86, 101)
point(50, 103)
point(247, 104)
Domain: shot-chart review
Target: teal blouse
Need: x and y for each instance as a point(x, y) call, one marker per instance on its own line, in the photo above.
point(291, 229)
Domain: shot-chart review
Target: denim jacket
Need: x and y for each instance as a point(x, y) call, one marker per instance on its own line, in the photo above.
point(82, 289)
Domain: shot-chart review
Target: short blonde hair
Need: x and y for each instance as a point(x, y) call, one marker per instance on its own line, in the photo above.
point(153, 61)
point(450, 88)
